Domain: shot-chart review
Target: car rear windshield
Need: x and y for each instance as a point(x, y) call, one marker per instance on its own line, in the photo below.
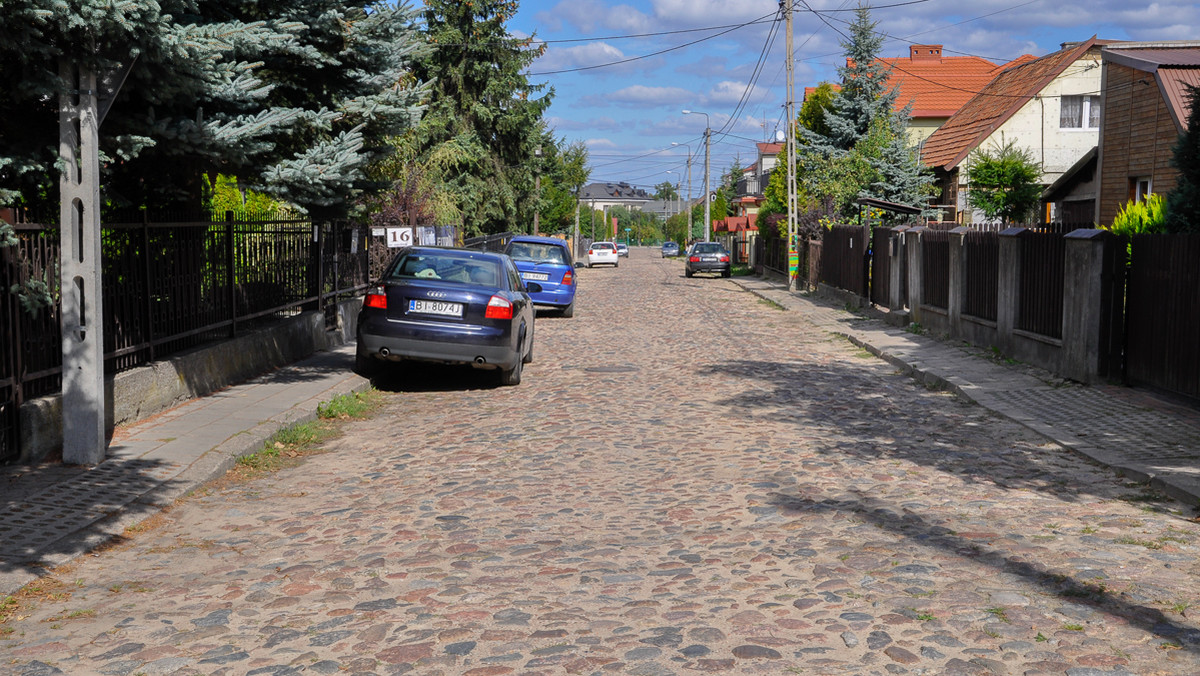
point(708, 248)
point(537, 253)
point(602, 245)
point(446, 266)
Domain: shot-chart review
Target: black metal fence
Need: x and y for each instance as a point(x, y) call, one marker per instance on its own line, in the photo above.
point(1163, 313)
point(935, 268)
point(169, 287)
point(844, 261)
point(1040, 300)
point(881, 276)
point(981, 250)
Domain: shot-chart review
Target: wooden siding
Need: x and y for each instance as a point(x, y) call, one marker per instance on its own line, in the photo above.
point(1138, 136)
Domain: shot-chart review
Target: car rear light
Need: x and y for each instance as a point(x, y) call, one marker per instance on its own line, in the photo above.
point(568, 278)
point(724, 259)
point(590, 252)
point(694, 259)
point(376, 297)
point(499, 307)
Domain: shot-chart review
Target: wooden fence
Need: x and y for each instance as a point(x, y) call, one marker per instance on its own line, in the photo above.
point(1163, 313)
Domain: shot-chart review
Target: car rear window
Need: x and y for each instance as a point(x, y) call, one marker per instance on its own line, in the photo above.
point(448, 266)
point(603, 245)
point(537, 253)
point(707, 248)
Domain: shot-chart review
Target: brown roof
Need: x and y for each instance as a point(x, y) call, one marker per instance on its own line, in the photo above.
point(770, 148)
point(995, 104)
point(1174, 65)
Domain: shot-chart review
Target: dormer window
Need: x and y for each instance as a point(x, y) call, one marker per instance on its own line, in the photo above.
point(1079, 112)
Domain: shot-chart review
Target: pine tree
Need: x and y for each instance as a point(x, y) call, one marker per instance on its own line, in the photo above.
point(484, 118)
point(863, 150)
point(1183, 202)
point(294, 97)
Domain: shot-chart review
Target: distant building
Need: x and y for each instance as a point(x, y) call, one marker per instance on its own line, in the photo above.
point(604, 195)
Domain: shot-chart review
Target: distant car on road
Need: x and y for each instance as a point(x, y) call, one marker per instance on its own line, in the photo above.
point(622, 249)
point(708, 257)
point(670, 249)
point(547, 261)
point(603, 253)
point(454, 306)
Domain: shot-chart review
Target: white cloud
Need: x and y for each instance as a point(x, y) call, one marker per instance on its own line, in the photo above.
point(594, 143)
point(642, 96)
point(591, 54)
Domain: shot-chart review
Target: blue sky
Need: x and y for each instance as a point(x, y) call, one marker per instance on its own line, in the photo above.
point(627, 110)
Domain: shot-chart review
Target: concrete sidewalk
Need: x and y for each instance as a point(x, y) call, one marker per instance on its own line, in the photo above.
point(50, 514)
point(1146, 437)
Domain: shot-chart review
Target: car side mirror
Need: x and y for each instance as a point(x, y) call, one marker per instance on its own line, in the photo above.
point(533, 287)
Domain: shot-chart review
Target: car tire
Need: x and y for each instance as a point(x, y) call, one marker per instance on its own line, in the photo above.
point(528, 358)
point(726, 273)
point(568, 311)
point(616, 265)
point(687, 273)
point(510, 377)
point(365, 365)
point(589, 265)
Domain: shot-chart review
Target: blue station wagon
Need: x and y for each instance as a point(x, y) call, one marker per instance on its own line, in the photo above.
point(548, 262)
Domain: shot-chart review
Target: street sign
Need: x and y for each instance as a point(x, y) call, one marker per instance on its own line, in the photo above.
point(398, 237)
point(628, 229)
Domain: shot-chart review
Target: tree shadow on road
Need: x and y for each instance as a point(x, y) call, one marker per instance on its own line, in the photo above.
point(1068, 589)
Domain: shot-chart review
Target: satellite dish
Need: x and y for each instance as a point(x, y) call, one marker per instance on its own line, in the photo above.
point(779, 137)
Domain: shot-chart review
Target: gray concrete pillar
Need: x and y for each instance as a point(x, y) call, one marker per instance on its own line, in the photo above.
point(958, 280)
point(912, 246)
point(1008, 286)
point(79, 268)
point(1085, 319)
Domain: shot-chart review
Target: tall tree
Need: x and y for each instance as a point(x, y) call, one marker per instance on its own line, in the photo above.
point(484, 118)
point(292, 96)
point(864, 150)
point(1183, 202)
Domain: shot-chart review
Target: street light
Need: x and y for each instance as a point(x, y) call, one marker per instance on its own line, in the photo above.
point(707, 149)
point(689, 172)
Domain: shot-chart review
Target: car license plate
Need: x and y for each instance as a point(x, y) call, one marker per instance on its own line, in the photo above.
point(435, 307)
point(708, 258)
point(535, 276)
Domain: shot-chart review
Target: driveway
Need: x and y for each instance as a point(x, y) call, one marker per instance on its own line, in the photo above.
point(687, 480)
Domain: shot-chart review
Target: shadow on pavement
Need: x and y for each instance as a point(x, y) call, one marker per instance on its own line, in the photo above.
point(421, 377)
point(1066, 588)
point(52, 512)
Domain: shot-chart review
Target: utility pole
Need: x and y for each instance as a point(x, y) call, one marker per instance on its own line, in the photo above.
point(537, 189)
point(576, 244)
point(793, 251)
point(707, 149)
point(689, 197)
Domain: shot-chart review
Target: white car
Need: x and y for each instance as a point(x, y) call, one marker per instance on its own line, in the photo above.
point(603, 253)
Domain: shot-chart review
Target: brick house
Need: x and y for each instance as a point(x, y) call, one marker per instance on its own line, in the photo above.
point(1145, 111)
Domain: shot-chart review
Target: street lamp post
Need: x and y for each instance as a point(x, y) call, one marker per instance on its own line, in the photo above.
point(667, 208)
point(707, 149)
point(689, 199)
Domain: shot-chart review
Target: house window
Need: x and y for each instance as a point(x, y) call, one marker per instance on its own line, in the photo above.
point(1140, 188)
point(1079, 112)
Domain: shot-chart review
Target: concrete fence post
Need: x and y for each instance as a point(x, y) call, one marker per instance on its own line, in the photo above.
point(897, 299)
point(957, 280)
point(1008, 286)
point(1085, 309)
point(913, 249)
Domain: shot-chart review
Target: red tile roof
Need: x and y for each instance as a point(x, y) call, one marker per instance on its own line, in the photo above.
point(995, 104)
point(770, 148)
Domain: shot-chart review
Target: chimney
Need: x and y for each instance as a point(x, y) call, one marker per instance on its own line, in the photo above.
point(925, 52)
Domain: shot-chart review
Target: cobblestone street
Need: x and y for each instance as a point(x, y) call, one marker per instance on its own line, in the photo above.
point(687, 480)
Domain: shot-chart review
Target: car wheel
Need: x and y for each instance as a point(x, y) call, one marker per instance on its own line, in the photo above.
point(687, 273)
point(726, 272)
point(616, 265)
point(528, 353)
point(512, 376)
point(568, 311)
point(365, 365)
point(589, 265)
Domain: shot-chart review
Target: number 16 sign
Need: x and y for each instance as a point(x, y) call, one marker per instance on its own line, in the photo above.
point(397, 237)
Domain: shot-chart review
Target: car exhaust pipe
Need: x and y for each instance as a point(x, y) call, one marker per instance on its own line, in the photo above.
point(383, 351)
point(480, 360)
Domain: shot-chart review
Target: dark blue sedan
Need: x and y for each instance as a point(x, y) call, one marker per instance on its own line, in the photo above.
point(453, 306)
point(547, 261)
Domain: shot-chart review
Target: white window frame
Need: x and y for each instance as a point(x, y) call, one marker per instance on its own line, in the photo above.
point(1085, 110)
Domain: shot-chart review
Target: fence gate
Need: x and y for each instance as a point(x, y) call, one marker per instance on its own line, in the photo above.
point(9, 391)
point(1163, 313)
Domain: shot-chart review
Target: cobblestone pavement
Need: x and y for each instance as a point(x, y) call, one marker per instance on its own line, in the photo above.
point(688, 480)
